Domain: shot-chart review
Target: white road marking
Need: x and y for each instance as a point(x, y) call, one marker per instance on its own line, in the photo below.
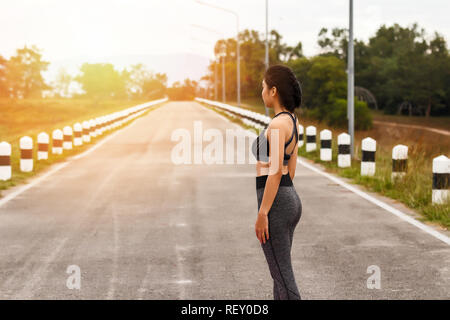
point(115, 266)
point(381, 204)
point(181, 281)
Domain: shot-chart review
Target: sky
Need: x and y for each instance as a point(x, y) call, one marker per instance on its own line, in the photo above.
point(90, 30)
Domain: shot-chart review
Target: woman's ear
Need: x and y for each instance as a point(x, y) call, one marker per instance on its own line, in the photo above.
point(273, 91)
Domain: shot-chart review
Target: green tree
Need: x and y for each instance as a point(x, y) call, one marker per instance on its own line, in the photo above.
point(101, 80)
point(335, 44)
point(252, 61)
point(324, 87)
point(23, 73)
point(402, 68)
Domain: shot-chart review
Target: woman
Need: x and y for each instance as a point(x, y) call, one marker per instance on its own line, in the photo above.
point(279, 206)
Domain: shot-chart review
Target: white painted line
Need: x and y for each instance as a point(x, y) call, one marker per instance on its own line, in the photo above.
point(14, 194)
point(381, 204)
point(183, 281)
point(27, 186)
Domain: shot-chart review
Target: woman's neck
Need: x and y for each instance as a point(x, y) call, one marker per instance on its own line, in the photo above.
point(277, 108)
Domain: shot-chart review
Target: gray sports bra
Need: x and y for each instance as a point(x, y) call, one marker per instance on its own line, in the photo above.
point(260, 146)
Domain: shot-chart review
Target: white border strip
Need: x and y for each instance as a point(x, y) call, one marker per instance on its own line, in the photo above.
point(381, 204)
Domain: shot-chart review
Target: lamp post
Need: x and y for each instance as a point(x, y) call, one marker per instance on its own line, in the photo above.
point(237, 46)
point(267, 46)
point(350, 83)
point(224, 54)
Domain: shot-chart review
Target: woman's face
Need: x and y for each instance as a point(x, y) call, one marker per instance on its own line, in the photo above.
point(267, 95)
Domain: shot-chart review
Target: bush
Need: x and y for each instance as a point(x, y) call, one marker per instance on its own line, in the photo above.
point(337, 115)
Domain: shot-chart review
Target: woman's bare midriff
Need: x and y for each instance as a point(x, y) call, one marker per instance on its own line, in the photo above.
point(262, 169)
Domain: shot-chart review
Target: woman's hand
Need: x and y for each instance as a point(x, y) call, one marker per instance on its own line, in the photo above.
point(262, 227)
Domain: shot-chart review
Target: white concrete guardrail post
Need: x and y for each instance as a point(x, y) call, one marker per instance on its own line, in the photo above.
point(77, 134)
point(368, 149)
point(399, 161)
point(5, 161)
point(310, 138)
point(67, 140)
point(86, 131)
point(26, 154)
point(57, 137)
point(42, 146)
point(441, 180)
point(344, 158)
point(325, 145)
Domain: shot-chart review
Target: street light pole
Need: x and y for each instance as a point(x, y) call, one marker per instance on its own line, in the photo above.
point(351, 83)
point(223, 79)
point(215, 80)
point(238, 72)
point(267, 46)
point(238, 65)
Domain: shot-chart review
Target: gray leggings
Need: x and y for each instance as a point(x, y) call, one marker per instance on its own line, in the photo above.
point(284, 216)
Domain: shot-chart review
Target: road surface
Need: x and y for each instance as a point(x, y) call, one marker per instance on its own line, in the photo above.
point(139, 226)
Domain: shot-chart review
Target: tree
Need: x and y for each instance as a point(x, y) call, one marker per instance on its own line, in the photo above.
point(252, 62)
point(323, 80)
point(154, 86)
point(138, 75)
point(23, 73)
point(101, 80)
point(62, 83)
point(143, 84)
point(402, 68)
point(337, 45)
point(185, 91)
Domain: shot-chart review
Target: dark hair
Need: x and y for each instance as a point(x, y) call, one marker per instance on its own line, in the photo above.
point(288, 87)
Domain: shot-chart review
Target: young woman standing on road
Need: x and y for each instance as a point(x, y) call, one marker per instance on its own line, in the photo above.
point(279, 206)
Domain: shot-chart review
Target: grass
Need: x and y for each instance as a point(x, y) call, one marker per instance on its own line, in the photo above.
point(432, 122)
point(30, 117)
point(414, 190)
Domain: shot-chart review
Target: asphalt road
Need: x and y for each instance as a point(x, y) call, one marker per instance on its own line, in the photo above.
point(141, 227)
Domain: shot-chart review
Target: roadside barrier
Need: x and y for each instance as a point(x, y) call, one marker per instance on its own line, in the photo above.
point(67, 138)
point(441, 164)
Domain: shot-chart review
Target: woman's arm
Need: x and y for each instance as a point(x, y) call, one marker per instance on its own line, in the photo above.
point(276, 137)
